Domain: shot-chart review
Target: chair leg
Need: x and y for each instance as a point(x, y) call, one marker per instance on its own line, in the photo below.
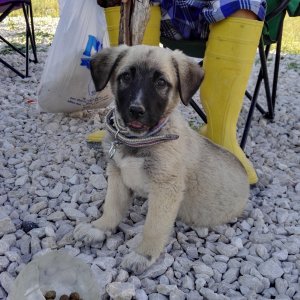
point(263, 59)
point(198, 110)
point(276, 67)
point(12, 68)
point(33, 34)
point(261, 76)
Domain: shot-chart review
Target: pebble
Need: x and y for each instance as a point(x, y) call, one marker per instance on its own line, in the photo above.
point(98, 181)
point(73, 214)
point(227, 250)
point(120, 290)
point(160, 267)
point(6, 225)
point(56, 191)
point(270, 269)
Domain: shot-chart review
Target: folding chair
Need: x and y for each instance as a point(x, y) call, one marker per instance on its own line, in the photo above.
point(272, 34)
point(6, 7)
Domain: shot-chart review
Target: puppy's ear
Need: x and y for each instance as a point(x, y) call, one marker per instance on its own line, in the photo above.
point(189, 75)
point(103, 64)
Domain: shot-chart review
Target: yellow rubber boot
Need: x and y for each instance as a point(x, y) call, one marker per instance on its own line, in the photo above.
point(227, 64)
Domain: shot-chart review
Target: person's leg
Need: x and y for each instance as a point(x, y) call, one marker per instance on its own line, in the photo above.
point(229, 56)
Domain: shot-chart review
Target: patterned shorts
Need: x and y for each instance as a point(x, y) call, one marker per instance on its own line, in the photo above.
point(189, 19)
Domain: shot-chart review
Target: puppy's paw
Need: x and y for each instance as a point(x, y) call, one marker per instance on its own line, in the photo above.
point(136, 262)
point(88, 234)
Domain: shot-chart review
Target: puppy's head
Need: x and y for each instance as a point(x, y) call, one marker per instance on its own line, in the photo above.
point(147, 82)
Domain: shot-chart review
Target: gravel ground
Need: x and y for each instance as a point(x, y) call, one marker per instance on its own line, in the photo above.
point(51, 177)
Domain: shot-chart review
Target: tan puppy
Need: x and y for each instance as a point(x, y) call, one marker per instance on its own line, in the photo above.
point(188, 178)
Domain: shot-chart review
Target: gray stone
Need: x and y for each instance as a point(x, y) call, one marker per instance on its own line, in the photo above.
point(210, 295)
point(67, 172)
point(6, 281)
point(177, 295)
point(251, 282)
point(159, 267)
point(56, 191)
point(140, 295)
point(113, 242)
point(120, 290)
point(75, 179)
point(37, 207)
point(227, 250)
point(281, 286)
point(72, 213)
point(21, 180)
point(6, 225)
point(237, 242)
point(201, 268)
point(165, 289)
point(270, 269)
point(56, 216)
point(4, 262)
point(193, 295)
point(4, 247)
point(220, 266)
point(98, 181)
point(281, 255)
point(202, 232)
point(135, 281)
point(156, 296)
point(149, 285)
point(105, 263)
point(188, 282)
point(262, 251)
point(231, 275)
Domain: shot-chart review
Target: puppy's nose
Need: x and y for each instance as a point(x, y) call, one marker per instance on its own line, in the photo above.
point(136, 110)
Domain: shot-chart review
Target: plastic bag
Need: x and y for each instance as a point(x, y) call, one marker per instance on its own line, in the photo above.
point(66, 84)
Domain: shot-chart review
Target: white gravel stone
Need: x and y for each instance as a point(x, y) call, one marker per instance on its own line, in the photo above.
point(270, 269)
point(120, 290)
point(6, 225)
point(6, 281)
point(56, 191)
point(98, 181)
point(227, 250)
point(140, 295)
point(251, 282)
point(105, 263)
point(160, 266)
point(201, 268)
point(166, 289)
point(73, 214)
point(21, 180)
point(210, 295)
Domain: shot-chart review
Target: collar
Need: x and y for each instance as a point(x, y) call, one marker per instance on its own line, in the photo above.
point(122, 135)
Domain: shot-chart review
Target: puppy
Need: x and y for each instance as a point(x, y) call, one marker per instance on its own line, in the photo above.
point(154, 153)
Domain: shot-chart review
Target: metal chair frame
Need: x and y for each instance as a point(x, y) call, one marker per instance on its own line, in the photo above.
point(263, 74)
point(30, 35)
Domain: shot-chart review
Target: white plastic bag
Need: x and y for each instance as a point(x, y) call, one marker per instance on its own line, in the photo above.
point(66, 84)
point(61, 4)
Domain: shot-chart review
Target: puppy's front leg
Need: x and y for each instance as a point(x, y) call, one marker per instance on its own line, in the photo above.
point(116, 204)
point(164, 202)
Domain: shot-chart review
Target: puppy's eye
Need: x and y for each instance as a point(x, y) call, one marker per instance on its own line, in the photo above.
point(160, 83)
point(125, 77)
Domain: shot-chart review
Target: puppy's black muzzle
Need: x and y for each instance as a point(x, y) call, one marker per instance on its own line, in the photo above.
point(136, 111)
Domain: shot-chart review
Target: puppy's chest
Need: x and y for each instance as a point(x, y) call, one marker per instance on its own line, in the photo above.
point(133, 173)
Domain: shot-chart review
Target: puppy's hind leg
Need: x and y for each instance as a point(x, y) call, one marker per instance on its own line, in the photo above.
point(164, 202)
point(116, 204)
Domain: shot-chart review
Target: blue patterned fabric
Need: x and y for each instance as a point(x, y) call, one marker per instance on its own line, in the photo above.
point(190, 18)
